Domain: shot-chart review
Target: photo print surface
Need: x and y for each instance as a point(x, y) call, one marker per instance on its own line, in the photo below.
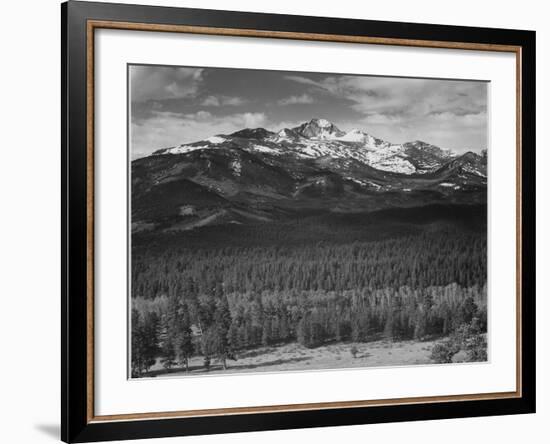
point(292, 221)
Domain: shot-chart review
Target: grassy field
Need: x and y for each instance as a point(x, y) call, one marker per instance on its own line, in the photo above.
point(295, 357)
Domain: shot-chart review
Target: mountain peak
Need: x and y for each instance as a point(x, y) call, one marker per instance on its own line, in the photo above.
point(322, 123)
point(419, 146)
point(357, 135)
point(318, 129)
point(470, 155)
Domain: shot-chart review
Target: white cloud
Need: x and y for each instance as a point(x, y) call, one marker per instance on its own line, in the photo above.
point(380, 119)
point(223, 101)
point(446, 130)
point(160, 83)
point(233, 101)
point(392, 96)
point(293, 100)
point(166, 129)
point(211, 101)
point(251, 120)
point(451, 114)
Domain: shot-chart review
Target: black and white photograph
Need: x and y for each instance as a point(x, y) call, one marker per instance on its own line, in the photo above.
point(255, 222)
point(295, 221)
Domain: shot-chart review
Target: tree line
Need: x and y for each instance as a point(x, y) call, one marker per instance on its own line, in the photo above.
point(428, 259)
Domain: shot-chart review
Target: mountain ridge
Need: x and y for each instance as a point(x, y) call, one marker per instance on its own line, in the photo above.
point(319, 137)
point(259, 176)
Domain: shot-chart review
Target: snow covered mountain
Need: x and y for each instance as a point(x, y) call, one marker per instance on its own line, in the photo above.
point(255, 176)
point(318, 129)
point(319, 138)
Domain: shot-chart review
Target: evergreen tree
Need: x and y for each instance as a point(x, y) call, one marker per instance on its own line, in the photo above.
point(138, 344)
point(303, 331)
point(220, 345)
point(468, 310)
point(234, 336)
point(359, 326)
point(150, 335)
point(168, 358)
point(144, 341)
point(184, 338)
point(266, 331)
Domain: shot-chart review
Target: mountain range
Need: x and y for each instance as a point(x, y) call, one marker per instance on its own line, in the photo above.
point(257, 176)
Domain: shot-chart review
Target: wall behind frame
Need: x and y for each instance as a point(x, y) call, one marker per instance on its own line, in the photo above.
point(29, 227)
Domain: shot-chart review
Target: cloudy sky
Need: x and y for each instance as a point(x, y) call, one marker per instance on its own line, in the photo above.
point(174, 105)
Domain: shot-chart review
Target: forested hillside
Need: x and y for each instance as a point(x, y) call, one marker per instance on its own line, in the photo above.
point(217, 291)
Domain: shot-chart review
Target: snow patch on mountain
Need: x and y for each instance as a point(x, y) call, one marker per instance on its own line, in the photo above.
point(184, 149)
point(473, 170)
point(237, 167)
point(216, 140)
point(354, 135)
point(369, 142)
point(264, 149)
point(323, 123)
point(394, 164)
point(364, 183)
point(284, 134)
point(388, 157)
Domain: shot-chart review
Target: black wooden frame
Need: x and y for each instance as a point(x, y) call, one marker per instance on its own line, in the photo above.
point(75, 423)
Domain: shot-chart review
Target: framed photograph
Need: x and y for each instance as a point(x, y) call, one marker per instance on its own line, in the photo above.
point(275, 221)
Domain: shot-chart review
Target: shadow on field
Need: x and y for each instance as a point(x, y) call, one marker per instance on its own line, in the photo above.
point(199, 369)
point(268, 363)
